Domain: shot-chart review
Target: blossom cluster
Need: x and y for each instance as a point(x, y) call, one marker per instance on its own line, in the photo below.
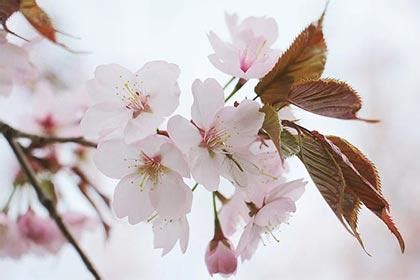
point(218, 141)
point(153, 153)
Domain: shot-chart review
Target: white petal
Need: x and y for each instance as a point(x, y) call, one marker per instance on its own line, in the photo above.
point(109, 82)
point(275, 212)
point(141, 127)
point(293, 190)
point(174, 159)
point(116, 159)
point(171, 197)
point(6, 82)
point(208, 100)
point(132, 201)
point(183, 133)
point(242, 123)
point(167, 231)
point(205, 168)
point(104, 119)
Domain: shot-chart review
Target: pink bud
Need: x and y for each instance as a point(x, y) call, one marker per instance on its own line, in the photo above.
point(37, 229)
point(220, 257)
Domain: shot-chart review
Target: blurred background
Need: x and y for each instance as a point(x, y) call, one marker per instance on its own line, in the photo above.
point(373, 45)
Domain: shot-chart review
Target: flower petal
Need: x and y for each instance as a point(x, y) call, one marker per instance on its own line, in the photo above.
point(116, 159)
point(103, 120)
point(208, 100)
point(132, 201)
point(205, 168)
point(174, 159)
point(141, 127)
point(183, 133)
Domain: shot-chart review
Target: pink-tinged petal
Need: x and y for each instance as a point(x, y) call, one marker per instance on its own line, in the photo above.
point(241, 123)
point(264, 62)
point(293, 190)
point(6, 82)
point(12, 243)
point(104, 119)
point(151, 145)
point(232, 212)
point(155, 76)
point(205, 167)
point(174, 159)
point(232, 23)
point(141, 127)
point(110, 80)
point(171, 197)
point(184, 231)
point(131, 199)
point(116, 159)
point(224, 51)
point(261, 27)
point(183, 133)
point(208, 100)
point(168, 231)
point(248, 243)
point(275, 212)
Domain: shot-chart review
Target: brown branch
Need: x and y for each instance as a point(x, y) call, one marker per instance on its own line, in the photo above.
point(45, 201)
point(38, 140)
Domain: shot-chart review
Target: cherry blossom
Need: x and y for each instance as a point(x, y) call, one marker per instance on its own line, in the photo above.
point(150, 173)
point(43, 234)
point(128, 104)
point(215, 132)
point(248, 55)
point(12, 242)
point(55, 114)
point(15, 66)
point(167, 231)
point(276, 209)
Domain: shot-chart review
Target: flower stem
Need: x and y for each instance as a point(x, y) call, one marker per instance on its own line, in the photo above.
point(216, 217)
point(238, 86)
point(229, 82)
point(47, 202)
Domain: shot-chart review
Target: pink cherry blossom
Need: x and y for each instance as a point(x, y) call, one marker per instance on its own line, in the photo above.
point(248, 55)
point(128, 104)
point(55, 113)
point(220, 257)
point(15, 66)
point(276, 209)
point(167, 231)
point(151, 174)
point(233, 212)
point(12, 243)
point(43, 234)
point(215, 132)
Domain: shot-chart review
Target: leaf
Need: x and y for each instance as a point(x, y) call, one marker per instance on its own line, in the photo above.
point(48, 189)
point(289, 144)
point(7, 9)
point(272, 125)
point(38, 19)
point(326, 97)
point(305, 59)
point(368, 170)
point(344, 177)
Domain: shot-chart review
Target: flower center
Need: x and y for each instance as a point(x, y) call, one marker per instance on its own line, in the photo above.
point(135, 101)
point(47, 124)
point(251, 54)
point(213, 139)
point(151, 168)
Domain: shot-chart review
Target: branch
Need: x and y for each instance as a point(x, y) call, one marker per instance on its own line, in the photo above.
point(45, 201)
point(38, 140)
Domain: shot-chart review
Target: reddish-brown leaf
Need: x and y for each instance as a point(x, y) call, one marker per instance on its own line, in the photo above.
point(368, 170)
point(326, 97)
point(8, 8)
point(305, 59)
point(344, 177)
point(272, 125)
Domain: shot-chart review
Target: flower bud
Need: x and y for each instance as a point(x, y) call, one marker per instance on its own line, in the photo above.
point(220, 257)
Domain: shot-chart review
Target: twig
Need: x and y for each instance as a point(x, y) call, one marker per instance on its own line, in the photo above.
point(38, 140)
point(46, 202)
